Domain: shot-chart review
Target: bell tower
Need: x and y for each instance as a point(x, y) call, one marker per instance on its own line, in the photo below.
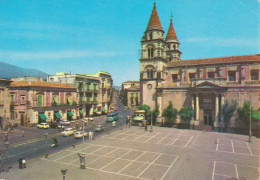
point(153, 60)
point(172, 47)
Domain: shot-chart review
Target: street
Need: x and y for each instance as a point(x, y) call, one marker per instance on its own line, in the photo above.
point(30, 142)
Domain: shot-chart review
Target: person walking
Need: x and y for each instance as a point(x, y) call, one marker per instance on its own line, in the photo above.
point(23, 163)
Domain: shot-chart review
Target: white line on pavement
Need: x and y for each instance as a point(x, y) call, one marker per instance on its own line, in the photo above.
point(170, 167)
point(236, 171)
point(148, 166)
point(188, 142)
point(249, 149)
point(213, 170)
point(233, 150)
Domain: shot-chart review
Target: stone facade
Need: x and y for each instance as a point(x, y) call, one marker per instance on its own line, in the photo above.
point(203, 84)
point(94, 91)
point(36, 102)
point(4, 103)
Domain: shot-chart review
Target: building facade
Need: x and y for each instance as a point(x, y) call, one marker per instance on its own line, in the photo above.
point(4, 103)
point(94, 91)
point(203, 84)
point(34, 102)
point(130, 93)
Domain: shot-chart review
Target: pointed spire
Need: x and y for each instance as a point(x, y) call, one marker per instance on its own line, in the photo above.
point(171, 33)
point(154, 22)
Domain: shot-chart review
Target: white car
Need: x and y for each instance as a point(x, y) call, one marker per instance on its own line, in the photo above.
point(64, 122)
point(68, 132)
point(43, 126)
point(79, 134)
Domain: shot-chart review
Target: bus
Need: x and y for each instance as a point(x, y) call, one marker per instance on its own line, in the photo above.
point(113, 116)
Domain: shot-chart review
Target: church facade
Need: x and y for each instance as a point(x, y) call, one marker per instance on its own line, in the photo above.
point(203, 84)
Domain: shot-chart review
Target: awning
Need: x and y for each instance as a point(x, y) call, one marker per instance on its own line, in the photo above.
point(57, 114)
point(80, 111)
point(42, 116)
point(69, 100)
point(70, 113)
point(56, 100)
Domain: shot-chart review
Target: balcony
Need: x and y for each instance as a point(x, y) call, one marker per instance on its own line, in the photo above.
point(55, 107)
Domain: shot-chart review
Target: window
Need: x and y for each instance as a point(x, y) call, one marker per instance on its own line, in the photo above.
point(211, 75)
point(232, 76)
point(174, 77)
point(158, 75)
point(159, 52)
point(22, 100)
point(12, 98)
point(254, 75)
point(151, 74)
point(150, 52)
point(191, 76)
point(151, 36)
point(39, 101)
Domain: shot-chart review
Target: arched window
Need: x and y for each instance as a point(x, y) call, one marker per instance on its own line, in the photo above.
point(150, 52)
point(151, 36)
point(148, 73)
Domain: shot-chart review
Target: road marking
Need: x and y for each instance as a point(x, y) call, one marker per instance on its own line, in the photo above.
point(233, 150)
point(188, 142)
point(149, 165)
point(163, 138)
point(170, 167)
point(249, 149)
point(236, 171)
point(174, 140)
point(114, 160)
point(152, 137)
point(130, 163)
point(214, 167)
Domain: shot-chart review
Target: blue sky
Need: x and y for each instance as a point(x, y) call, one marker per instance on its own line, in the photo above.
point(85, 36)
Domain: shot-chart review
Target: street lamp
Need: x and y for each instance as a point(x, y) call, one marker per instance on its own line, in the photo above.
point(82, 162)
point(250, 127)
point(6, 156)
point(63, 172)
point(46, 154)
point(121, 122)
point(151, 127)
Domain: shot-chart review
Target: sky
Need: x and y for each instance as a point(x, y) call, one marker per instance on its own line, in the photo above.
point(86, 36)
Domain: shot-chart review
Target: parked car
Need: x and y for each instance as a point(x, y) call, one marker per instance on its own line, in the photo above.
point(53, 125)
point(79, 134)
point(64, 122)
point(99, 128)
point(43, 126)
point(68, 132)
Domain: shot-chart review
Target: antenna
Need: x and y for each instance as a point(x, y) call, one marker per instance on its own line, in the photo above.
point(171, 15)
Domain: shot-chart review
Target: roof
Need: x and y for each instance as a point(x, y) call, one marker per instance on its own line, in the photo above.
point(154, 22)
point(171, 33)
point(5, 80)
point(40, 84)
point(218, 60)
point(133, 88)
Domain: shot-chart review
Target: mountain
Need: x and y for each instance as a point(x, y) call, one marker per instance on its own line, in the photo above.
point(116, 87)
point(8, 71)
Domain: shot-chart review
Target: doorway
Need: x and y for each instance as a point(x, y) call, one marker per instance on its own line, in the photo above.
point(207, 117)
point(22, 119)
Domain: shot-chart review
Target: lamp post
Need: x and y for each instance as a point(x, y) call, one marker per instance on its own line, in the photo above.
point(6, 155)
point(121, 122)
point(46, 154)
point(63, 172)
point(151, 127)
point(83, 166)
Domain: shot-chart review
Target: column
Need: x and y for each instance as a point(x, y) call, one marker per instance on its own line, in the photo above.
point(197, 107)
point(216, 107)
point(192, 104)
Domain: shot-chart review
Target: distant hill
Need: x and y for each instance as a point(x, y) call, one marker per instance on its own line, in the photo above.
point(9, 71)
point(116, 87)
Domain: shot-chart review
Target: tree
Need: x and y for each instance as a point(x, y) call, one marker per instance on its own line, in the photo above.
point(186, 113)
point(170, 113)
point(146, 108)
point(227, 112)
point(155, 114)
point(244, 112)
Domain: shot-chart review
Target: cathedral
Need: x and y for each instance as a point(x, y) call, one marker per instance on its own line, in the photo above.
point(203, 84)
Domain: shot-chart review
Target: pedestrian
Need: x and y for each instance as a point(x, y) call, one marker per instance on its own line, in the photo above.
point(145, 125)
point(22, 133)
point(23, 163)
point(90, 135)
point(6, 136)
point(20, 163)
point(77, 126)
